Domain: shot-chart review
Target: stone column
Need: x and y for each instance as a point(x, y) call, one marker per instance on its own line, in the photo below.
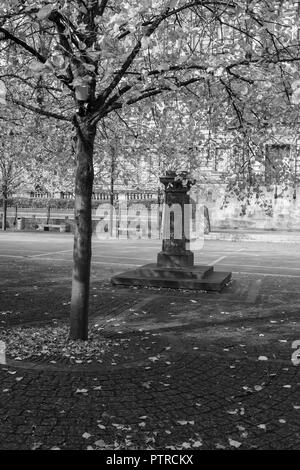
point(174, 253)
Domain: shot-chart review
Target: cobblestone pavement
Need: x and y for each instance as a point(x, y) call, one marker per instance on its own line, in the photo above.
point(199, 371)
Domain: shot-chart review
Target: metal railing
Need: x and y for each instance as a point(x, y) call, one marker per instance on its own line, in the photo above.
point(130, 195)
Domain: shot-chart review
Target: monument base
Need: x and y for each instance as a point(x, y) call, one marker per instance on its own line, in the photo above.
point(190, 277)
point(179, 260)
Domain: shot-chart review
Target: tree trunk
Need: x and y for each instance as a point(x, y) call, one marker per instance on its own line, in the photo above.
point(83, 231)
point(16, 215)
point(112, 183)
point(48, 214)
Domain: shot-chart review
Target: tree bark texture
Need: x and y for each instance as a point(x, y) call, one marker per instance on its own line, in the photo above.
point(82, 250)
point(4, 199)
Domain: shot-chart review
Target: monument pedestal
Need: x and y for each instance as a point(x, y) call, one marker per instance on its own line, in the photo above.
point(195, 278)
point(175, 263)
point(171, 260)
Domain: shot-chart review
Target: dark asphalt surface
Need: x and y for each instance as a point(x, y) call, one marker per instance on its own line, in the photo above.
point(245, 257)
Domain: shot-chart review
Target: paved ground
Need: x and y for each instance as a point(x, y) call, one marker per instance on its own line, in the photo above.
point(187, 370)
point(254, 257)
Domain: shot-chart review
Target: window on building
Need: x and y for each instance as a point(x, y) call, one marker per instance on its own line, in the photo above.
point(275, 154)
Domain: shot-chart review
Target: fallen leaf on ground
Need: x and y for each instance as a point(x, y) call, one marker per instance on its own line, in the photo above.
point(233, 412)
point(186, 445)
point(220, 446)
point(197, 443)
point(234, 443)
point(240, 428)
point(36, 445)
point(146, 384)
point(183, 423)
point(262, 426)
point(100, 443)
point(153, 358)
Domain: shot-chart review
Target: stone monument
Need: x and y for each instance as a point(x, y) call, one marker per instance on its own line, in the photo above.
point(175, 238)
point(175, 266)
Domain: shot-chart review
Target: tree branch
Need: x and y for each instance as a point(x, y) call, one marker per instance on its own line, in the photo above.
point(42, 112)
point(239, 77)
point(130, 58)
point(102, 6)
point(128, 87)
point(23, 44)
point(153, 25)
point(231, 96)
point(152, 92)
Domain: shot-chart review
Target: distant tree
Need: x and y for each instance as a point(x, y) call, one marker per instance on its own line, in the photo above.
point(52, 163)
point(13, 171)
point(31, 156)
point(86, 59)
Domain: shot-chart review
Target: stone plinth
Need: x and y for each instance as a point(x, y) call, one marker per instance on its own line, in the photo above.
point(175, 262)
point(215, 281)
